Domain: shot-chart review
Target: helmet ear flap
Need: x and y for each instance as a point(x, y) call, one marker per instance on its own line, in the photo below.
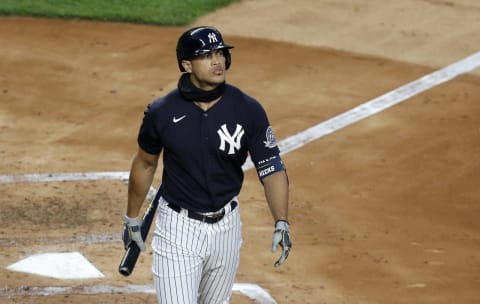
point(184, 65)
point(180, 54)
point(180, 66)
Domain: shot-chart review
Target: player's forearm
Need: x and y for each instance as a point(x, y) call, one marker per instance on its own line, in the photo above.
point(140, 180)
point(276, 193)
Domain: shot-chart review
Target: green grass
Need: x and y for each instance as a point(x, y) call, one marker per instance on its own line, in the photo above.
point(159, 12)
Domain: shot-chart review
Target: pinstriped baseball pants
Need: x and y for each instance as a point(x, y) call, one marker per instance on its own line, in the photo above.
point(195, 262)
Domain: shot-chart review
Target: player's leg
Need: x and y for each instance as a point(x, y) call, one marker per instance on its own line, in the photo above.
point(177, 263)
point(223, 257)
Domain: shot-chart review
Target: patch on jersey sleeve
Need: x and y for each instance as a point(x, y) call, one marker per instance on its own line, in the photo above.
point(270, 142)
point(269, 166)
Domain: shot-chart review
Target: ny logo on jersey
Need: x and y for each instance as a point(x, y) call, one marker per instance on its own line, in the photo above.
point(212, 38)
point(232, 139)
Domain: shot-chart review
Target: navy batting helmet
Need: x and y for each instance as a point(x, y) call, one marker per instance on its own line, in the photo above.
point(199, 41)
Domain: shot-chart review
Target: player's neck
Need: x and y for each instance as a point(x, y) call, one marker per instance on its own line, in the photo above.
point(205, 106)
point(195, 93)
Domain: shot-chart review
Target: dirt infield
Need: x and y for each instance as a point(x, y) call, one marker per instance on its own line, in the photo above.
point(384, 210)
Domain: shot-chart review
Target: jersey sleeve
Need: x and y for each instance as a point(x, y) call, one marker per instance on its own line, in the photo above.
point(263, 149)
point(148, 135)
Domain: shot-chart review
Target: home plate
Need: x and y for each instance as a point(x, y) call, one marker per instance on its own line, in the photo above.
point(68, 265)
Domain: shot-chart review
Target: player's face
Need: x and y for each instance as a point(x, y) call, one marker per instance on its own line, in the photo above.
point(207, 71)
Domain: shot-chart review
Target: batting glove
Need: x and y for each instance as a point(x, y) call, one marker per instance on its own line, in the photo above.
point(281, 236)
point(131, 233)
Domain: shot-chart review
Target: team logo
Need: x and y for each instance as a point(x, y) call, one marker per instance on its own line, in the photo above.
point(233, 140)
point(270, 142)
point(212, 37)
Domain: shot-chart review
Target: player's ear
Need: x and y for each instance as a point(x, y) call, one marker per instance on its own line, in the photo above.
point(187, 65)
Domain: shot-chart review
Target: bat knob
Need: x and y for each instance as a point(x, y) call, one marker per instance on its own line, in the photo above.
point(125, 270)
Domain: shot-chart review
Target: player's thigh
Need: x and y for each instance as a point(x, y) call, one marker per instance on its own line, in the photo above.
point(221, 265)
point(178, 249)
point(175, 283)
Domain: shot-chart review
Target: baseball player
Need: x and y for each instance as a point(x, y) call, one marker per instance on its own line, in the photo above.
point(205, 129)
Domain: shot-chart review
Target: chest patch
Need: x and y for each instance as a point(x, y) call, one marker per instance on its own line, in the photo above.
point(233, 140)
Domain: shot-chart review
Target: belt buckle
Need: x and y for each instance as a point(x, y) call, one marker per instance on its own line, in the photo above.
point(215, 217)
point(218, 215)
point(214, 214)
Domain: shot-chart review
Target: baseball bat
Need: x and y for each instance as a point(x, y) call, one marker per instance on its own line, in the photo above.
point(131, 254)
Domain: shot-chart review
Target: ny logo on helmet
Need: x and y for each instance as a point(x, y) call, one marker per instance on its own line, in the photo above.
point(234, 140)
point(212, 38)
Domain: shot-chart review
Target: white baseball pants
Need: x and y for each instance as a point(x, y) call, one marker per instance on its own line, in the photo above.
point(195, 262)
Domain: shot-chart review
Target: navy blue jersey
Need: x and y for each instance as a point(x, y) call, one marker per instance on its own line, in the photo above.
point(203, 151)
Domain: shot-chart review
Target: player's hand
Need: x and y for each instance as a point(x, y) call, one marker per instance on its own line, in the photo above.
point(281, 236)
point(131, 233)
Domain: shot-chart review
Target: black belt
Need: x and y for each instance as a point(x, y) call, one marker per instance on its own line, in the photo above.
point(210, 219)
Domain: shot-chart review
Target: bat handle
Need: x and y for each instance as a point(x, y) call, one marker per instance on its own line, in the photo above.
point(129, 260)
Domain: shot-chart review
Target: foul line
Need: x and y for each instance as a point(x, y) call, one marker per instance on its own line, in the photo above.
point(298, 140)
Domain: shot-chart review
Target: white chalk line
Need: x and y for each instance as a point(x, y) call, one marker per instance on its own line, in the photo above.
point(88, 239)
point(298, 140)
point(251, 291)
point(63, 177)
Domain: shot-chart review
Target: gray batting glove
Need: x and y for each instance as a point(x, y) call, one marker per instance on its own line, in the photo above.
point(281, 236)
point(131, 233)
